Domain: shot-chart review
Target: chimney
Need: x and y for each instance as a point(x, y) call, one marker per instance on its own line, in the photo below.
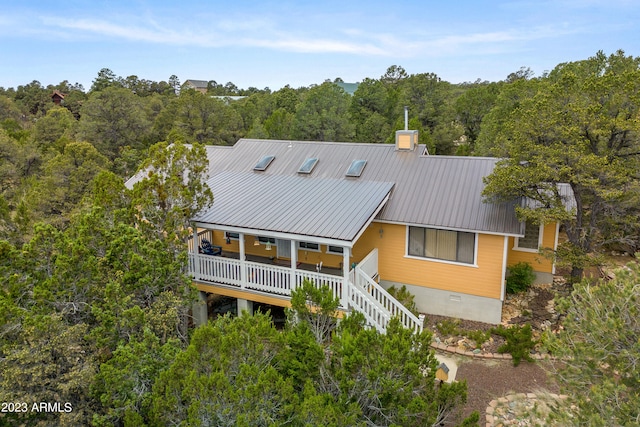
point(406, 140)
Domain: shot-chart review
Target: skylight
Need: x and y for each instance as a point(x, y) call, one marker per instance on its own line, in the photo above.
point(263, 163)
point(356, 168)
point(308, 165)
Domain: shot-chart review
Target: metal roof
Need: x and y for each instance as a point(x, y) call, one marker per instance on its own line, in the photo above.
point(436, 191)
point(326, 208)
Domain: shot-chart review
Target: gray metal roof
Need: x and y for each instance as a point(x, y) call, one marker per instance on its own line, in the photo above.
point(324, 207)
point(436, 191)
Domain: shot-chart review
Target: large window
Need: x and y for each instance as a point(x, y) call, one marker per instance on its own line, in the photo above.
point(531, 239)
point(456, 246)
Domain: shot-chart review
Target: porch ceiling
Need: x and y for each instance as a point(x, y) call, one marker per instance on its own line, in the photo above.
point(322, 208)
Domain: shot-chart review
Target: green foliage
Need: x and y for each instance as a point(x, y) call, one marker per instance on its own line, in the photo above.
point(242, 371)
point(322, 115)
point(405, 297)
point(449, 327)
point(520, 276)
point(111, 119)
point(174, 189)
point(480, 337)
point(576, 127)
point(598, 350)
point(519, 342)
point(226, 377)
point(315, 307)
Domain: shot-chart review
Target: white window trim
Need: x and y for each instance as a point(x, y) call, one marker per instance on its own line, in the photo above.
point(533, 251)
point(309, 250)
point(334, 253)
point(442, 261)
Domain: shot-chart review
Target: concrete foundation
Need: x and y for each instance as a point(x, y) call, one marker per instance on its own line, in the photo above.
point(453, 304)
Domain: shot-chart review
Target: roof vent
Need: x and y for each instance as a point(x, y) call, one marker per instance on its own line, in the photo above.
point(263, 163)
point(356, 168)
point(406, 140)
point(308, 165)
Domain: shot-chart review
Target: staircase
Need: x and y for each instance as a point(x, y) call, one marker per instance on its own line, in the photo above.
point(365, 295)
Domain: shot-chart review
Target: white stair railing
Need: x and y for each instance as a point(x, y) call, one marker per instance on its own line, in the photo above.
point(384, 303)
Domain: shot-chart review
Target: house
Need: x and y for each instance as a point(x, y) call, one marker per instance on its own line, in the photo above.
point(361, 218)
point(199, 85)
point(57, 97)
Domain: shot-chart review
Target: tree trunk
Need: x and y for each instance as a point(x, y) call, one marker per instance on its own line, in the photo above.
point(576, 274)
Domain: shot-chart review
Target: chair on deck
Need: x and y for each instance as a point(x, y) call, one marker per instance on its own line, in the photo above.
point(208, 249)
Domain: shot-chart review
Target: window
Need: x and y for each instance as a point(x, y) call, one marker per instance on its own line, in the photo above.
point(263, 163)
point(356, 168)
point(308, 165)
point(335, 250)
point(309, 246)
point(531, 239)
point(264, 240)
point(232, 236)
point(456, 246)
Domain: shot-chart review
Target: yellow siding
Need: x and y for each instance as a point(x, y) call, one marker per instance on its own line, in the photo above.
point(537, 261)
point(484, 280)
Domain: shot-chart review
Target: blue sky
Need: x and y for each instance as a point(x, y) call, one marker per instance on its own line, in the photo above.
point(273, 43)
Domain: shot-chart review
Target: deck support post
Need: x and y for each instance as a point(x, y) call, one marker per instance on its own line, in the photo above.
point(200, 310)
point(294, 263)
point(245, 305)
point(243, 266)
point(344, 295)
point(196, 253)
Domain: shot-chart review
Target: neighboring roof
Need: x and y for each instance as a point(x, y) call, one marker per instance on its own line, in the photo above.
point(58, 94)
point(201, 84)
point(349, 88)
point(437, 191)
point(328, 208)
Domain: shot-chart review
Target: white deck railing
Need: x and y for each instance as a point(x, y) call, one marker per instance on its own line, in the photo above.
point(335, 283)
point(261, 277)
point(360, 293)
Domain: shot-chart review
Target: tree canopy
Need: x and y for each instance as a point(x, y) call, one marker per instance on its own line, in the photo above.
point(578, 127)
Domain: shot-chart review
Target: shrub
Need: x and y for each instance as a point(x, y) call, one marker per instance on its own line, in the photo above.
point(405, 297)
point(520, 277)
point(479, 337)
point(519, 342)
point(449, 327)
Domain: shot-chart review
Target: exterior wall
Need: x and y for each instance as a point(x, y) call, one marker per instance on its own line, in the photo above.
point(451, 289)
point(453, 304)
point(483, 279)
point(543, 266)
point(304, 255)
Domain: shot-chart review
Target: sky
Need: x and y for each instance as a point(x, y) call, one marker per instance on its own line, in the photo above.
point(274, 43)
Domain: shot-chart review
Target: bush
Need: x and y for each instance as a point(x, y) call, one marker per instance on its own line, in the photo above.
point(520, 277)
point(405, 297)
point(449, 327)
point(479, 337)
point(519, 342)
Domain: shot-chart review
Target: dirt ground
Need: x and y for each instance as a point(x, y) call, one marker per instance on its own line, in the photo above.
point(491, 379)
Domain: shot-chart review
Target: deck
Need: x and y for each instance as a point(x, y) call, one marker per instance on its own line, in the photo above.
point(356, 290)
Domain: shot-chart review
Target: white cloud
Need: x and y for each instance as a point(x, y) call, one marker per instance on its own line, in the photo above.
point(265, 33)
